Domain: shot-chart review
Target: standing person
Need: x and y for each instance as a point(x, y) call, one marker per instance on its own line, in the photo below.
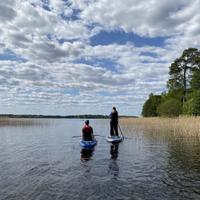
point(114, 122)
point(87, 132)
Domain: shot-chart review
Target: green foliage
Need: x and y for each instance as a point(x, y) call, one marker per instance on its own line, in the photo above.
point(192, 106)
point(174, 94)
point(196, 103)
point(176, 79)
point(150, 106)
point(170, 108)
point(195, 82)
point(183, 96)
point(181, 69)
point(188, 107)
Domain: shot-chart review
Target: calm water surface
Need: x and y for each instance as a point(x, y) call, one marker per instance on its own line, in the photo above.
point(44, 162)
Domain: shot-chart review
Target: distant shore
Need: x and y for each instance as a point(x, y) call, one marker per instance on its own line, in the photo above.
point(85, 116)
point(28, 120)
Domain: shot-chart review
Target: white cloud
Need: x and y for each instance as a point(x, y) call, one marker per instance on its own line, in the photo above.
point(152, 18)
point(91, 83)
point(6, 11)
point(31, 27)
point(53, 75)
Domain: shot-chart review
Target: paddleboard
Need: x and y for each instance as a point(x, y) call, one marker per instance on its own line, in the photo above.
point(114, 139)
point(87, 144)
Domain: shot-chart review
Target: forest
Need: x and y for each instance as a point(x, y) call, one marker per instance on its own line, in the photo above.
point(183, 89)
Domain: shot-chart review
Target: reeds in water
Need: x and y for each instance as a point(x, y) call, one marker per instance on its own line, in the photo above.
point(187, 126)
point(5, 121)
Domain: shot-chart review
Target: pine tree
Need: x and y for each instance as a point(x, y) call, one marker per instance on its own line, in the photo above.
point(181, 70)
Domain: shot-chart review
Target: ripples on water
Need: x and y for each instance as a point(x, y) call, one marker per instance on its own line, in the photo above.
point(45, 162)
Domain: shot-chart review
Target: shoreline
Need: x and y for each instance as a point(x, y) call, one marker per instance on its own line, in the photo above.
point(83, 116)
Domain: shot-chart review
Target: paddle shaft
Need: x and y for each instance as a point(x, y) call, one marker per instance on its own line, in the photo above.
point(76, 136)
point(121, 131)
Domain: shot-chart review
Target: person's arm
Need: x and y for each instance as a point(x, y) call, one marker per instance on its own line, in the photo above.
point(92, 133)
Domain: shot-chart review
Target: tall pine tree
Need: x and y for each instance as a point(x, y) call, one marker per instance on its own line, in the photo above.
point(181, 71)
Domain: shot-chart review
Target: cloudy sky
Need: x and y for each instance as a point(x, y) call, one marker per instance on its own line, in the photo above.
point(84, 56)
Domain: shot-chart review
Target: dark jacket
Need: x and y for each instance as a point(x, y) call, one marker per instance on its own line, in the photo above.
point(114, 116)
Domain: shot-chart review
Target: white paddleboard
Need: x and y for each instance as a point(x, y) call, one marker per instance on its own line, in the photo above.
point(114, 139)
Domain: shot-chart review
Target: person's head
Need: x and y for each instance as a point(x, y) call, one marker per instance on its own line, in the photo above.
point(87, 122)
point(114, 109)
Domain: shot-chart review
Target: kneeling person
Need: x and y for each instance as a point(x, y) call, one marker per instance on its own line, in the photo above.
point(87, 132)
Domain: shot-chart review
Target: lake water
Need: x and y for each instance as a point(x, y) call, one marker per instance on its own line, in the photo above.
point(44, 162)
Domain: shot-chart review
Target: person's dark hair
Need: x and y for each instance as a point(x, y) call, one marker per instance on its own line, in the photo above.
point(114, 108)
point(87, 122)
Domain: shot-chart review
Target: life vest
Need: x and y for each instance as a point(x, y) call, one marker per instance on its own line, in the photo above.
point(87, 129)
point(87, 133)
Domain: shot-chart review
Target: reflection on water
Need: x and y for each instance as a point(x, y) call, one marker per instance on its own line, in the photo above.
point(114, 151)
point(113, 166)
point(43, 162)
point(87, 153)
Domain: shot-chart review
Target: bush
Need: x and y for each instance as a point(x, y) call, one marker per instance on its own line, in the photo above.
point(170, 108)
point(196, 103)
point(150, 106)
point(192, 106)
point(188, 107)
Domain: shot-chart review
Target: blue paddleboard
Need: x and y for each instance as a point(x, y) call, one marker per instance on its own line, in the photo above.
point(88, 144)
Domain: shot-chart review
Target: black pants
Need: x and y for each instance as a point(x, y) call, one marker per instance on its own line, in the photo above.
point(114, 128)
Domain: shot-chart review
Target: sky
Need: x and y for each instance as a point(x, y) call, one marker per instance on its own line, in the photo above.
point(85, 56)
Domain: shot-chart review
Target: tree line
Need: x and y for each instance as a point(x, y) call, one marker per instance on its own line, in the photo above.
point(84, 116)
point(183, 94)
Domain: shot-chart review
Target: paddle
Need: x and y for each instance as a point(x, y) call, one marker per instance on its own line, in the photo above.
point(121, 131)
point(76, 136)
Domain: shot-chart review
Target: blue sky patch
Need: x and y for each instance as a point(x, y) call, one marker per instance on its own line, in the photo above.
point(71, 91)
point(99, 62)
point(60, 40)
point(45, 5)
point(121, 37)
point(150, 54)
point(9, 55)
point(73, 17)
point(110, 94)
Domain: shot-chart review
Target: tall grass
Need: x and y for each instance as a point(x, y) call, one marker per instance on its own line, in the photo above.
point(5, 121)
point(187, 126)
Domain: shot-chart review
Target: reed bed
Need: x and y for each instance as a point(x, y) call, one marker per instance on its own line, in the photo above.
point(186, 126)
point(5, 121)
